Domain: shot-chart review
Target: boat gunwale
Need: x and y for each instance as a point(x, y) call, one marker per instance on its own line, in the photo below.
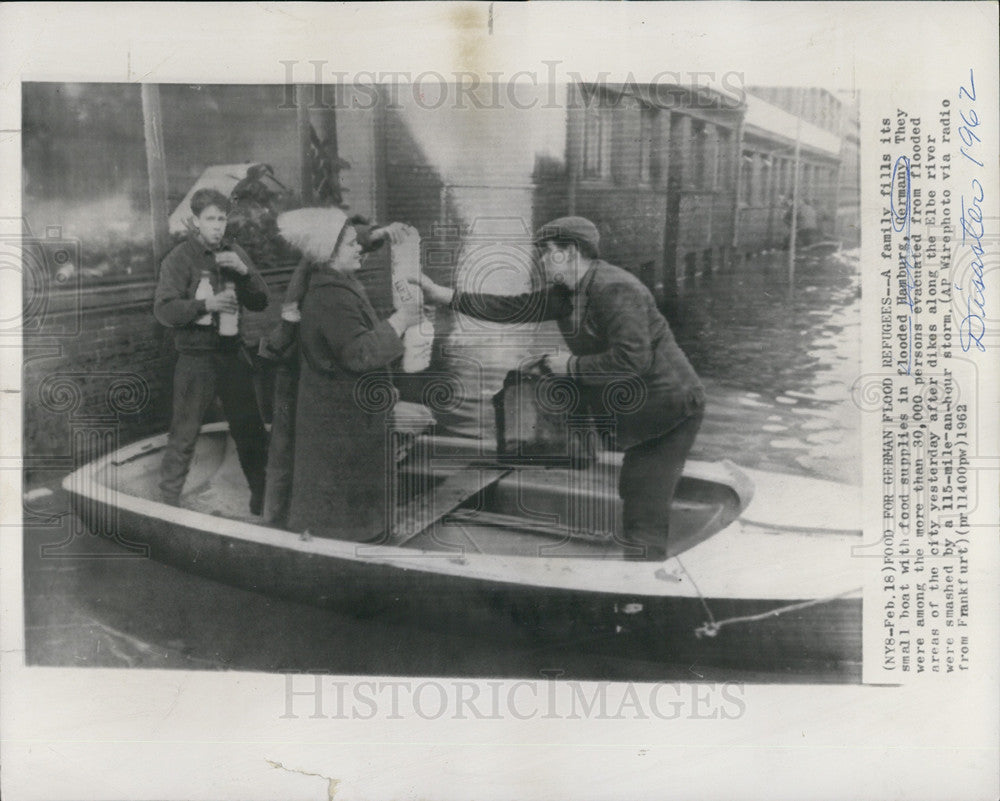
point(655, 579)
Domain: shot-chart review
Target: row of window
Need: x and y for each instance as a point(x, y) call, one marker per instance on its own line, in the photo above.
point(648, 141)
point(698, 155)
point(767, 179)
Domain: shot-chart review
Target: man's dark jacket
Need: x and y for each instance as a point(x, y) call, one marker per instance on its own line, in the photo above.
point(625, 358)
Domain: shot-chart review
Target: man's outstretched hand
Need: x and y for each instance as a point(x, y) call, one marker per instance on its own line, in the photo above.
point(433, 293)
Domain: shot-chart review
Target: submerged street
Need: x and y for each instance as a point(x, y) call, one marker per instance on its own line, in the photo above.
point(779, 366)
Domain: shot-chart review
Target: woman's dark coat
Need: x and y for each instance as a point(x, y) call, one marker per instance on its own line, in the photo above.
point(344, 399)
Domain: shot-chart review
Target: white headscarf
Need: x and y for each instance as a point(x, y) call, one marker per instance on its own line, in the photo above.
point(313, 231)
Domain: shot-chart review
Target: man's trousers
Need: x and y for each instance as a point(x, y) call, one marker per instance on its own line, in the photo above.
point(647, 482)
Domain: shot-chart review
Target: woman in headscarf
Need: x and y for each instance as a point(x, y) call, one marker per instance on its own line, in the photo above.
point(345, 393)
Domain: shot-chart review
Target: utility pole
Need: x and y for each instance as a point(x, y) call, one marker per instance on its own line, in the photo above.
point(304, 125)
point(574, 144)
point(152, 122)
point(795, 196)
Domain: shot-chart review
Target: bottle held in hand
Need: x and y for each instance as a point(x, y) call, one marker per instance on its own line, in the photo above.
point(204, 292)
point(229, 322)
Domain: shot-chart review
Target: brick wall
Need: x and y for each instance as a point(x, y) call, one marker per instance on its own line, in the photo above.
point(631, 222)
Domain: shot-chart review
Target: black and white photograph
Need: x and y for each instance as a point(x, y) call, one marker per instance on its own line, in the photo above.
point(557, 380)
point(462, 397)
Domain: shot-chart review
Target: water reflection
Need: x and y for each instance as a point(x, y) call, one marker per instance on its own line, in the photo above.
point(778, 365)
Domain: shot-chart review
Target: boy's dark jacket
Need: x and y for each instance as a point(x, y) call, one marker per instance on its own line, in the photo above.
point(174, 303)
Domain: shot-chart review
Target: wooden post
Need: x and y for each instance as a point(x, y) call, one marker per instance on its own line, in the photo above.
point(443, 197)
point(738, 178)
point(305, 145)
point(838, 185)
point(380, 122)
point(156, 165)
point(795, 200)
point(332, 143)
point(574, 146)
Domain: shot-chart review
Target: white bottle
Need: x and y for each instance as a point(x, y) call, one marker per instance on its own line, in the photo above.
point(204, 292)
point(229, 322)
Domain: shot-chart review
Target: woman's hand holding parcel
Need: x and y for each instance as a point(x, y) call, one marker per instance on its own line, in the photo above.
point(407, 315)
point(397, 232)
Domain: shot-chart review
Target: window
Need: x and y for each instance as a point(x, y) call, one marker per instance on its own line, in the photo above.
point(765, 181)
point(235, 124)
point(86, 192)
point(219, 130)
point(649, 156)
point(725, 158)
point(710, 180)
point(85, 182)
point(678, 166)
point(699, 153)
point(597, 142)
point(746, 177)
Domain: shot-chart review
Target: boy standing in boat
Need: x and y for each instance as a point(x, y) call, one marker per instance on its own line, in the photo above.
point(613, 329)
point(202, 283)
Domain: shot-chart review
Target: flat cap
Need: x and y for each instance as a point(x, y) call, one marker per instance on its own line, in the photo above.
point(578, 229)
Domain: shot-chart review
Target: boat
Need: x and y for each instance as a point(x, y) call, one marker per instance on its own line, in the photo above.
point(480, 542)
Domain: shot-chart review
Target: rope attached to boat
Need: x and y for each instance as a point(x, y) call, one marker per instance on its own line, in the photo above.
point(704, 603)
point(712, 626)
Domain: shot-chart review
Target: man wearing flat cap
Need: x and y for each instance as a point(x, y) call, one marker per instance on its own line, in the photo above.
point(614, 331)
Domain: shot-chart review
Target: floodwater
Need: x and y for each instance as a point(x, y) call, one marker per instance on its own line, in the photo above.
point(778, 365)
